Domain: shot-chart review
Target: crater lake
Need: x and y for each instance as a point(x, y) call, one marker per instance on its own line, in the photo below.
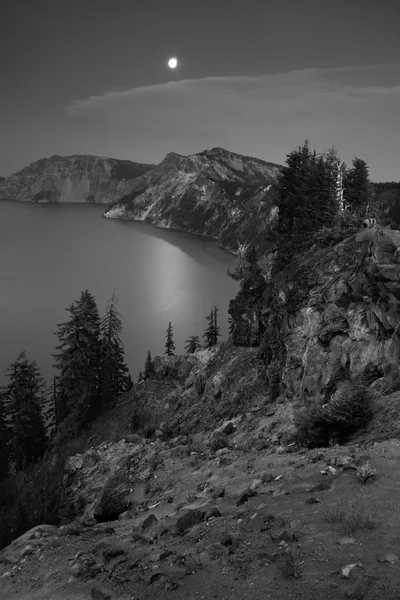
point(49, 253)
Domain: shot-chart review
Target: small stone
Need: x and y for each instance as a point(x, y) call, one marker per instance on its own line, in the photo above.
point(296, 525)
point(312, 500)
point(6, 575)
point(346, 540)
point(97, 594)
point(347, 569)
point(26, 551)
point(228, 428)
point(244, 495)
point(226, 540)
point(188, 518)
point(388, 557)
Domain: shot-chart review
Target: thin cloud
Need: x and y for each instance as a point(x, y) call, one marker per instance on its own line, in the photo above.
point(355, 107)
point(220, 100)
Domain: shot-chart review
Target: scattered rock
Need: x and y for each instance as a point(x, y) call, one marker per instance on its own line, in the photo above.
point(244, 495)
point(228, 428)
point(343, 541)
point(180, 451)
point(134, 438)
point(287, 535)
point(226, 539)
point(27, 551)
point(98, 594)
point(388, 557)
point(346, 462)
point(267, 477)
point(187, 518)
point(347, 569)
point(150, 528)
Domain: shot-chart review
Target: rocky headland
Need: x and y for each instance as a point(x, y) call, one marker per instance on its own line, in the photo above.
point(218, 193)
point(78, 178)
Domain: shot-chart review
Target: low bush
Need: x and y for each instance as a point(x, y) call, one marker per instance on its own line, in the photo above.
point(348, 410)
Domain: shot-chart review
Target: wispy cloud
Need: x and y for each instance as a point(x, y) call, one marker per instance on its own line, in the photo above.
point(240, 112)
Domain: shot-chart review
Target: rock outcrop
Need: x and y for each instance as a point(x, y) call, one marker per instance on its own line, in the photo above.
point(80, 178)
point(216, 193)
point(333, 315)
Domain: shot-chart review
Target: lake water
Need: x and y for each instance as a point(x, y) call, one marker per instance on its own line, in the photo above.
point(49, 253)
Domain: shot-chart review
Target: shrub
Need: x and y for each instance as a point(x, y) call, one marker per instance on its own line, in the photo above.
point(364, 472)
point(347, 411)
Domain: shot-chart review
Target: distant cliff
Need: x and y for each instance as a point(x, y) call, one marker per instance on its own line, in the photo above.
point(78, 178)
point(216, 192)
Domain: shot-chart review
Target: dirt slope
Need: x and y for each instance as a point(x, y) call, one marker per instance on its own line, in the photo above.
point(230, 525)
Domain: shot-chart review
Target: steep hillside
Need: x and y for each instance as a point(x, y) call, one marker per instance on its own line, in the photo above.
point(80, 178)
point(217, 193)
point(213, 507)
point(330, 316)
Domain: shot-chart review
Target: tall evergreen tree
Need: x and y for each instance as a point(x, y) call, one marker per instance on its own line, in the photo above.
point(192, 344)
point(114, 372)
point(148, 366)
point(169, 344)
point(213, 331)
point(307, 200)
point(24, 398)
point(79, 360)
point(357, 187)
point(5, 439)
point(231, 323)
point(129, 383)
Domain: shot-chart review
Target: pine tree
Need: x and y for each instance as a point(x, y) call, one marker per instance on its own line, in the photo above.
point(78, 361)
point(192, 344)
point(148, 366)
point(5, 439)
point(169, 344)
point(49, 407)
point(231, 323)
point(129, 382)
point(24, 398)
point(213, 331)
point(114, 372)
point(357, 187)
point(307, 199)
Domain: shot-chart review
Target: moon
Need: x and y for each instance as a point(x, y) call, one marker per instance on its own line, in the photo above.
point(173, 63)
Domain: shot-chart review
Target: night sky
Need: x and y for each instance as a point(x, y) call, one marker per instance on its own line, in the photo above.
point(256, 77)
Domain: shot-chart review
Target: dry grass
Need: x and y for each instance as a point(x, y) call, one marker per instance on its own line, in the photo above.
point(289, 562)
point(351, 519)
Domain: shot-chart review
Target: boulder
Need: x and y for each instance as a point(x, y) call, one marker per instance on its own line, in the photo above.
point(111, 501)
point(187, 518)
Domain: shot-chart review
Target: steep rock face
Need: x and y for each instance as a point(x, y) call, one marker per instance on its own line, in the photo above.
point(334, 315)
point(217, 193)
point(72, 179)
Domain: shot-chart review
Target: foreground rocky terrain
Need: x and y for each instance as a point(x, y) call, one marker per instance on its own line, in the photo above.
point(79, 178)
point(280, 523)
point(218, 502)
